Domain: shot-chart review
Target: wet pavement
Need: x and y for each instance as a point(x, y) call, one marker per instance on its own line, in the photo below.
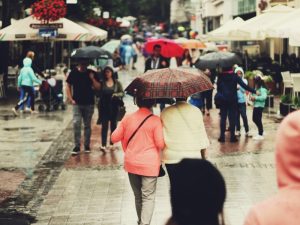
point(42, 182)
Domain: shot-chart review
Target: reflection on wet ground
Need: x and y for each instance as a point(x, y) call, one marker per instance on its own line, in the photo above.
point(17, 128)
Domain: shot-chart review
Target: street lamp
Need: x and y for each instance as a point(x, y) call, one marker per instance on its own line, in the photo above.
point(97, 11)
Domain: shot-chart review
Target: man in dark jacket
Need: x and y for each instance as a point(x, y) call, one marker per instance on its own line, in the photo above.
point(227, 99)
point(156, 61)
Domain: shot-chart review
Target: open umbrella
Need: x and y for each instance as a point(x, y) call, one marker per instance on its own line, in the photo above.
point(169, 48)
point(169, 83)
point(126, 37)
point(218, 59)
point(192, 43)
point(90, 52)
point(111, 45)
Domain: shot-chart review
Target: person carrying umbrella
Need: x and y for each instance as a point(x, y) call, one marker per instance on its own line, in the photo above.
point(83, 82)
point(156, 61)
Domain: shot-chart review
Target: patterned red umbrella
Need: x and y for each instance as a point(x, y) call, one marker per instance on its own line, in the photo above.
point(169, 83)
point(169, 48)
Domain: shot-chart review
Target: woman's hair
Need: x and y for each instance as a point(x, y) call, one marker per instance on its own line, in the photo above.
point(188, 57)
point(259, 82)
point(198, 195)
point(104, 71)
point(30, 54)
point(146, 103)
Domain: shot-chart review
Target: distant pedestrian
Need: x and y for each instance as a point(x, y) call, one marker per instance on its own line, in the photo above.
point(207, 95)
point(110, 94)
point(142, 139)
point(186, 59)
point(184, 134)
point(26, 80)
point(83, 83)
point(259, 104)
point(157, 61)
point(242, 108)
point(226, 98)
point(198, 194)
point(284, 206)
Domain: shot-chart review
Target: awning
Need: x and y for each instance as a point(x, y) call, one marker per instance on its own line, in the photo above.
point(95, 33)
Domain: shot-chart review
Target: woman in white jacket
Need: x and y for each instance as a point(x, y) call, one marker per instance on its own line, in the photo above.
point(184, 134)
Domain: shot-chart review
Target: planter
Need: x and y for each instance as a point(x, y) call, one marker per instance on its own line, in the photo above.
point(270, 101)
point(285, 108)
point(251, 83)
point(271, 86)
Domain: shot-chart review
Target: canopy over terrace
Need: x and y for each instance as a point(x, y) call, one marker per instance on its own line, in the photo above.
point(21, 31)
point(255, 28)
point(95, 33)
point(224, 32)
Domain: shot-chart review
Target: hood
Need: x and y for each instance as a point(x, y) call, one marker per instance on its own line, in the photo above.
point(27, 62)
point(288, 151)
point(237, 69)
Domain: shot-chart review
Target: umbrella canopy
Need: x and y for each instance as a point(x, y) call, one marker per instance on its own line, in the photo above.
point(111, 45)
point(126, 37)
point(224, 32)
point(218, 59)
point(169, 48)
point(255, 28)
point(95, 33)
point(169, 83)
point(21, 30)
point(90, 52)
point(193, 44)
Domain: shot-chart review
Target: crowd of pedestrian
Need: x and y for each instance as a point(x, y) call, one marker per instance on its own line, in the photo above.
point(177, 138)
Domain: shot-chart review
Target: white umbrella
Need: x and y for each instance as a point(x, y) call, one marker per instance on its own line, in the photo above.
point(125, 23)
point(255, 28)
point(95, 33)
point(224, 32)
point(21, 30)
point(126, 37)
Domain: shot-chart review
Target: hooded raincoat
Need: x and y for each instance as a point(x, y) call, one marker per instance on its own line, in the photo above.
point(284, 207)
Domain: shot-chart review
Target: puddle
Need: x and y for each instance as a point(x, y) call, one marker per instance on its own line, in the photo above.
point(17, 128)
point(50, 117)
point(7, 117)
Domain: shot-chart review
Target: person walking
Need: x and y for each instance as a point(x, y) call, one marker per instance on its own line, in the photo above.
point(25, 85)
point(226, 98)
point(207, 95)
point(198, 195)
point(184, 134)
point(284, 206)
point(156, 61)
point(110, 94)
point(242, 110)
point(83, 83)
point(186, 59)
point(142, 139)
point(259, 104)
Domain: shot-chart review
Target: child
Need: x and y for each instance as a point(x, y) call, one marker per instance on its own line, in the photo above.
point(259, 104)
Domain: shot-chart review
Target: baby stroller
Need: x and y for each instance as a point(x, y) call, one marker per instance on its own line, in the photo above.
point(51, 97)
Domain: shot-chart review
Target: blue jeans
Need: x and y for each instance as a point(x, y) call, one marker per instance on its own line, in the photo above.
point(22, 96)
point(230, 111)
point(85, 113)
point(243, 113)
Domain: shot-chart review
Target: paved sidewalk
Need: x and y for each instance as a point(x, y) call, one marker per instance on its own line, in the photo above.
point(38, 176)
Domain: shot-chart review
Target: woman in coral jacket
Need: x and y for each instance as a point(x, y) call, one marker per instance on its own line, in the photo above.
point(142, 155)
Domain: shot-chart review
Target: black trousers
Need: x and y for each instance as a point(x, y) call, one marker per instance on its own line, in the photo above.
point(206, 97)
point(257, 119)
point(28, 92)
point(113, 126)
point(229, 111)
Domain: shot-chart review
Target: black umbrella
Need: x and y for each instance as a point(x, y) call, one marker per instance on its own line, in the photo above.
point(218, 59)
point(90, 52)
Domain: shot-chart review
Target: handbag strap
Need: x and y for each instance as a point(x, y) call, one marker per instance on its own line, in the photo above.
point(141, 124)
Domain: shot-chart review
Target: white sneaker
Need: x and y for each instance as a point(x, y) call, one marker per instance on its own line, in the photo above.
point(238, 133)
point(248, 134)
point(258, 137)
point(34, 112)
point(15, 111)
point(27, 109)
